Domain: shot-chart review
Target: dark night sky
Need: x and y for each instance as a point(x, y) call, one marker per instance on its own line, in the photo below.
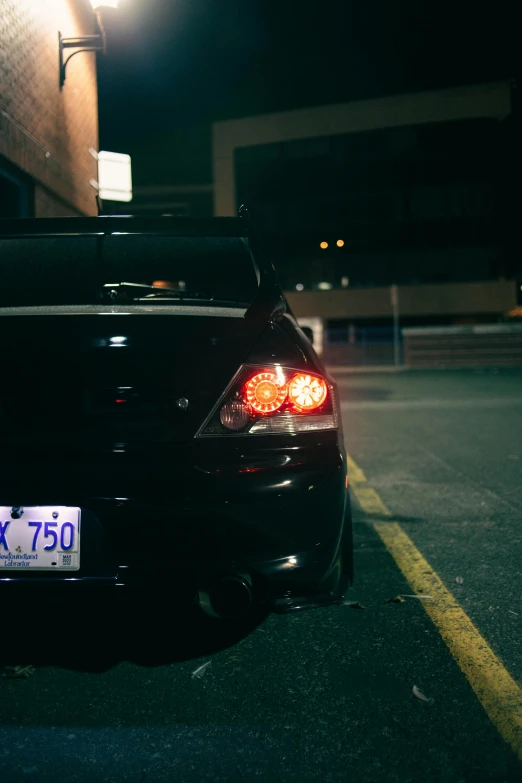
point(174, 66)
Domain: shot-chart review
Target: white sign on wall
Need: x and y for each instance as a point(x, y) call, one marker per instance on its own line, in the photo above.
point(114, 176)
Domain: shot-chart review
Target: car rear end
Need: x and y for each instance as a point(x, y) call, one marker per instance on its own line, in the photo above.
point(189, 443)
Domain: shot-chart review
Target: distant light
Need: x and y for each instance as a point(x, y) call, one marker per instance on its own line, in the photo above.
point(162, 284)
point(324, 286)
point(340, 243)
point(345, 282)
point(299, 287)
point(323, 245)
point(104, 4)
point(117, 340)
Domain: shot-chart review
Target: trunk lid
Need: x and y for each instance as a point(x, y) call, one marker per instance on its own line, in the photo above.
point(91, 382)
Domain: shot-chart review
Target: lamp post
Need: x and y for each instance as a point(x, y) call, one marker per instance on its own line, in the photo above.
point(85, 43)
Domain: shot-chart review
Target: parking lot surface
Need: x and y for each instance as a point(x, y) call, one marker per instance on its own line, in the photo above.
point(373, 690)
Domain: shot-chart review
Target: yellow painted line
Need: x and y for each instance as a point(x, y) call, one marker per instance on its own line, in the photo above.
point(370, 501)
point(494, 687)
point(355, 473)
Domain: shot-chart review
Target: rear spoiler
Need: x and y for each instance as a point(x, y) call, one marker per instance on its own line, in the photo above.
point(268, 301)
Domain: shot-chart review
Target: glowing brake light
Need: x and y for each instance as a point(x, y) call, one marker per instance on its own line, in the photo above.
point(264, 392)
point(307, 392)
point(273, 400)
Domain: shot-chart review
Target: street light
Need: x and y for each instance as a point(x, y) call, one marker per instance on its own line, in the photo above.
point(85, 43)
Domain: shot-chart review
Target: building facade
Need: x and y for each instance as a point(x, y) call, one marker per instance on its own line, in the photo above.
point(385, 209)
point(47, 134)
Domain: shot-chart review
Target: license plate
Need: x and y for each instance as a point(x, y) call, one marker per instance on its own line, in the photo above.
point(46, 538)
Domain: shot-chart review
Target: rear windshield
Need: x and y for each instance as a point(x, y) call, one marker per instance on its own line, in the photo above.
point(74, 270)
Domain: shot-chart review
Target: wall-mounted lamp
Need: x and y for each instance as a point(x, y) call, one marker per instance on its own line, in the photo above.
point(85, 43)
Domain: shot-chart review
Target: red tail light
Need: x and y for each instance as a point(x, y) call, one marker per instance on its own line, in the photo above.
point(307, 392)
point(273, 400)
point(265, 392)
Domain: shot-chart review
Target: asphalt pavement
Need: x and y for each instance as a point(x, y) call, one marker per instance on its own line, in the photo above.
point(118, 693)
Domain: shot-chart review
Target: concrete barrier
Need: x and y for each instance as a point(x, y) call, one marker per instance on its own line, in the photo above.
point(489, 345)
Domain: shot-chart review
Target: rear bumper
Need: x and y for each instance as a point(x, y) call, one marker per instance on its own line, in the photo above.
point(279, 595)
point(279, 514)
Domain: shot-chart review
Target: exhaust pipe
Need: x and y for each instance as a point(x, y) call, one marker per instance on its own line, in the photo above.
point(227, 598)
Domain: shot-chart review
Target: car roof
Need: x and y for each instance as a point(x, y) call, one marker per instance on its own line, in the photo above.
point(124, 224)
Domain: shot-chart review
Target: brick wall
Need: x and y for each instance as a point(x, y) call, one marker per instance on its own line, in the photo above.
point(45, 131)
point(47, 204)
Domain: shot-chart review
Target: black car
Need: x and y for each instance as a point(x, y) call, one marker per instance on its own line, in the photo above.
point(165, 422)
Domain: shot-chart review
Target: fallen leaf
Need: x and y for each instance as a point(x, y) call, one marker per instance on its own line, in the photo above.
point(459, 580)
point(18, 672)
point(512, 612)
point(200, 671)
point(353, 604)
point(419, 694)
point(425, 597)
point(397, 600)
